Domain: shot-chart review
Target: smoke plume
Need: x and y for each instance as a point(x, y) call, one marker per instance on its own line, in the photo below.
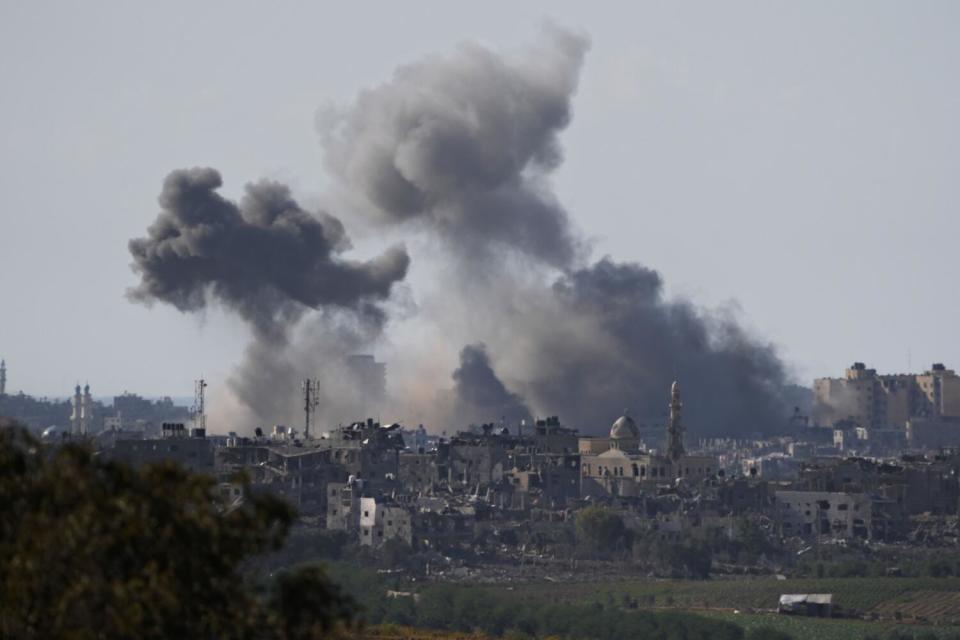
point(267, 259)
point(460, 149)
point(457, 151)
point(480, 394)
point(461, 145)
point(618, 343)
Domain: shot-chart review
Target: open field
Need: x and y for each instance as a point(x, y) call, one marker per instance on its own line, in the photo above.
point(930, 599)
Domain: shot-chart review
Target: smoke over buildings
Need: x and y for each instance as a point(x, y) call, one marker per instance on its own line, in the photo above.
point(271, 262)
point(458, 151)
point(461, 148)
point(267, 258)
point(480, 394)
point(630, 343)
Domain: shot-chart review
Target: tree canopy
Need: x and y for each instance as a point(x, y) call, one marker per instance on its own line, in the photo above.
point(97, 549)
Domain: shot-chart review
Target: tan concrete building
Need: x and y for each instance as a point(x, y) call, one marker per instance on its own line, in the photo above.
point(619, 465)
point(863, 398)
point(381, 521)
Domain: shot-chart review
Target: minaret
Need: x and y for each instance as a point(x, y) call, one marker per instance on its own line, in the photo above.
point(675, 430)
point(87, 411)
point(76, 418)
point(3, 377)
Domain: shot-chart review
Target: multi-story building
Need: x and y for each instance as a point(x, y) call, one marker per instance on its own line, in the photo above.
point(382, 520)
point(835, 514)
point(863, 398)
point(192, 450)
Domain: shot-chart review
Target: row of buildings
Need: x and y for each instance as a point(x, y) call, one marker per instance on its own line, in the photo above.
point(379, 482)
point(897, 410)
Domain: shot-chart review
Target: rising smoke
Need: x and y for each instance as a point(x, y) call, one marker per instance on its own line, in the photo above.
point(480, 395)
point(636, 342)
point(461, 148)
point(457, 152)
point(269, 261)
point(461, 145)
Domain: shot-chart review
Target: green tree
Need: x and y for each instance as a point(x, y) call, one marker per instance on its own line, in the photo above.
point(95, 549)
point(600, 529)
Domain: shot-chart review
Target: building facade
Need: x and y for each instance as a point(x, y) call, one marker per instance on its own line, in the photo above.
point(863, 398)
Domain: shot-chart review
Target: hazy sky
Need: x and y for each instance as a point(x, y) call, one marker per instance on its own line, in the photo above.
point(800, 160)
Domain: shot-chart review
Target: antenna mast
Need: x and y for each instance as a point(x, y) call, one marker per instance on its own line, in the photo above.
point(199, 410)
point(311, 400)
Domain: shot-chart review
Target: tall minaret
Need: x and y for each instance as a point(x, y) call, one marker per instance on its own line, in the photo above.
point(3, 377)
point(675, 430)
point(87, 411)
point(76, 418)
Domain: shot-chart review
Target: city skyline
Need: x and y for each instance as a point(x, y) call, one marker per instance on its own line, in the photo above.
point(683, 143)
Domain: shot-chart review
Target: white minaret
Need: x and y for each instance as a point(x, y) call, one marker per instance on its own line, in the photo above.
point(76, 416)
point(675, 431)
point(86, 411)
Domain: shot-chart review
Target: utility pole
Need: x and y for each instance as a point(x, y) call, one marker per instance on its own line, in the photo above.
point(311, 400)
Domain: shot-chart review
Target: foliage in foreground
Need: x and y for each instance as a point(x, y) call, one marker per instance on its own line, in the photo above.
point(94, 549)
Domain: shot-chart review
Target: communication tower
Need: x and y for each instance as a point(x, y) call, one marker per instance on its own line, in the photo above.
point(199, 408)
point(311, 400)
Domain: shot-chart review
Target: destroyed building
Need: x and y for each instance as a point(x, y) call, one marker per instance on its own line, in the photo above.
point(870, 400)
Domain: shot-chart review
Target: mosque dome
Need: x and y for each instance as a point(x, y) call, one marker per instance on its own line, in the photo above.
point(624, 427)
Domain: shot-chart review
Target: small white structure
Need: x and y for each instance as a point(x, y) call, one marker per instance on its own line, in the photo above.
point(807, 604)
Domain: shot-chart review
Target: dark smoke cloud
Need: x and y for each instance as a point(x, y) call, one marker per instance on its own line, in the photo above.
point(267, 258)
point(636, 343)
point(460, 149)
point(462, 145)
point(481, 396)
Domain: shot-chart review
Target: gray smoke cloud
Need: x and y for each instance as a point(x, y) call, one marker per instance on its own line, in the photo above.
point(460, 148)
point(266, 258)
point(270, 261)
point(462, 144)
point(267, 382)
point(638, 342)
point(481, 396)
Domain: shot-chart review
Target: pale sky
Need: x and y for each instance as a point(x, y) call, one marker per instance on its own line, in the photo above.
point(799, 160)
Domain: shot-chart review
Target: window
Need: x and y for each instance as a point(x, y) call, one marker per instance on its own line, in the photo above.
point(389, 523)
point(842, 507)
point(366, 514)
